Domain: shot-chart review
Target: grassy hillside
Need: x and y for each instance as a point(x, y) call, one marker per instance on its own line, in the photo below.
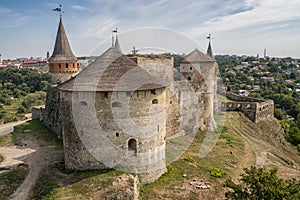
point(241, 144)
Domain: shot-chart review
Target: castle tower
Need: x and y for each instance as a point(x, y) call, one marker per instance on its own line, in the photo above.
point(113, 116)
point(0, 58)
point(196, 66)
point(62, 64)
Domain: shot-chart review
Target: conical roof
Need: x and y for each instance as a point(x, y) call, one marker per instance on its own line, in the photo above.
point(117, 44)
point(210, 51)
point(198, 56)
point(62, 51)
point(113, 71)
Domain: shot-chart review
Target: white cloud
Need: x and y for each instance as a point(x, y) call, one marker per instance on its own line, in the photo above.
point(78, 7)
point(262, 12)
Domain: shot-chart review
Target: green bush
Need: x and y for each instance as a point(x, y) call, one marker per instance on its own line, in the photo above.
point(189, 159)
point(216, 172)
point(258, 183)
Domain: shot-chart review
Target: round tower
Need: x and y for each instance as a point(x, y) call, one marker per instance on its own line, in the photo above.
point(62, 64)
point(113, 116)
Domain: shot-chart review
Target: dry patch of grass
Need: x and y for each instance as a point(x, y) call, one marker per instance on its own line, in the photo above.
point(59, 183)
point(10, 181)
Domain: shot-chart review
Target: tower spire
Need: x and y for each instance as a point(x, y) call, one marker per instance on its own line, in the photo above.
point(209, 49)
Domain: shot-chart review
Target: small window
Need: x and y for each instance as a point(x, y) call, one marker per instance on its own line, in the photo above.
point(132, 145)
point(191, 68)
point(189, 78)
point(117, 105)
point(239, 105)
point(249, 106)
point(67, 65)
point(83, 103)
point(73, 65)
point(104, 94)
point(153, 92)
point(59, 65)
point(171, 102)
point(154, 101)
point(117, 134)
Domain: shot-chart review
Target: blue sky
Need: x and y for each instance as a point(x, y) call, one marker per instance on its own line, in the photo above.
point(28, 28)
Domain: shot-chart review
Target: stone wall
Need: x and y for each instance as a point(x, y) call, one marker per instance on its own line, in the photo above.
point(52, 114)
point(255, 109)
point(237, 97)
point(158, 65)
point(115, 130)
point(38, 112)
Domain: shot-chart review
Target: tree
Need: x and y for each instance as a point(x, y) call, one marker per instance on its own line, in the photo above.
point(258, 183)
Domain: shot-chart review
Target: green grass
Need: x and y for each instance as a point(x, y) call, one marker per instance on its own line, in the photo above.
point(32, 128)
point(76, 185)
point(216, 172)
point(9, 181)
point(6, 139)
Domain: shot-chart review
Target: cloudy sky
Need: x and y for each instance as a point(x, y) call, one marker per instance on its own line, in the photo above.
point(28, 28)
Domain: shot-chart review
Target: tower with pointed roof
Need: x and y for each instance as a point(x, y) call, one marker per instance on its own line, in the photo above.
point(62, 63)
point(202, 69)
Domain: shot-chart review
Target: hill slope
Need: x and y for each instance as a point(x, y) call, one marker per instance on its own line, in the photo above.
point(240, 144)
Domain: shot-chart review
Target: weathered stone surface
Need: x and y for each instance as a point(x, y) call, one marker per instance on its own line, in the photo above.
point(52, 112)
point(255, 109)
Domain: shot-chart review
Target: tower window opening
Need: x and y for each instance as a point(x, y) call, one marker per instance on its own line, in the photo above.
point(83, 103)
point(153, 92)
point(189, 78)
point(191, 68)
point(154, 101)
point(67, 65)
point(117, 134)
point(117, 105)
point(104, 94)
point(59, 65)
point(132, 145)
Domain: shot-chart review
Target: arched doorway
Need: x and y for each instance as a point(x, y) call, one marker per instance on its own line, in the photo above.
point(132, 145)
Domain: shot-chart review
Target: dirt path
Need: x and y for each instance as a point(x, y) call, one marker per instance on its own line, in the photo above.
point(36, 154)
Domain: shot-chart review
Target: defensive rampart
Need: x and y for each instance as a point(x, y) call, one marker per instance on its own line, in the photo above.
point(255, 109)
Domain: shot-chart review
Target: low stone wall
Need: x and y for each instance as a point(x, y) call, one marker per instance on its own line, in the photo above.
point(51, 114)
point(236, 97)
point(37, 112)
point(255, 109)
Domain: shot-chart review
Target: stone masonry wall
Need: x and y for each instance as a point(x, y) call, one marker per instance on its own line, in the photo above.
point(116, 129)
point(158, 65)
point(255, 109)
point(51, 113)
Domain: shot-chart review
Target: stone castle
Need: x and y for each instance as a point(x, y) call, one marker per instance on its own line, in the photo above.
point(119, 111)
